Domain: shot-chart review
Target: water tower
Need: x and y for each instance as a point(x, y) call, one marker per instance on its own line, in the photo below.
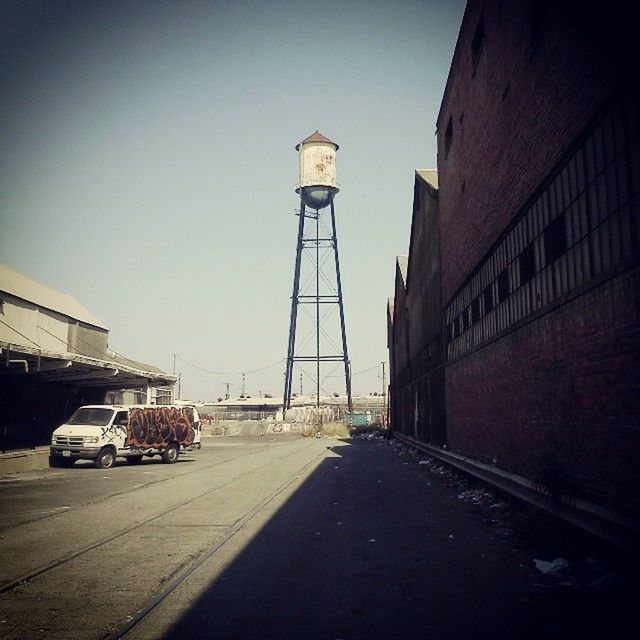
point(318, 288)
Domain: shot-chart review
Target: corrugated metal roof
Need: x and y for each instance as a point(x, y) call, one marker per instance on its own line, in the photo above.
point(430, 176)
point(83, 371)
point(134, 364)
point(21, 286)
point(317, 137)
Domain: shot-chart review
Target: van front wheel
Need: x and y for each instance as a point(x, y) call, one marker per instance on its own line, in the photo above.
point(170, 454)
point(106, 459)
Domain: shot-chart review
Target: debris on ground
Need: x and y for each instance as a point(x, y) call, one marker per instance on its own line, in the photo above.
point(559, 564)
point(589, 574)
point(530, 531)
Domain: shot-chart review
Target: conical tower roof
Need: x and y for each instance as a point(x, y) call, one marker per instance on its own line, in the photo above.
point(316, 136)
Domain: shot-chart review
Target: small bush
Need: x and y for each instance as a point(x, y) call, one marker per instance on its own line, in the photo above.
point(370, 429)
point(326, 430)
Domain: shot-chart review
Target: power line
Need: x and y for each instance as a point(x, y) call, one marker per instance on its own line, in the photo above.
point(229, 373)
point(356, 373)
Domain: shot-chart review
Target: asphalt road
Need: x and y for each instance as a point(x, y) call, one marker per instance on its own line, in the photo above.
point(291, 538)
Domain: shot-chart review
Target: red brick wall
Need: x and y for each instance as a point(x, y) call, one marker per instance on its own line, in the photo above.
point(513, 119)
point(568, 383)
point(423, 277)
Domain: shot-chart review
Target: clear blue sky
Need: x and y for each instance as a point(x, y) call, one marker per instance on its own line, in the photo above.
point(148, 168)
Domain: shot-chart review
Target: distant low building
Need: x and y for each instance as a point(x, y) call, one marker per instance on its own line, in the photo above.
point(254, 408)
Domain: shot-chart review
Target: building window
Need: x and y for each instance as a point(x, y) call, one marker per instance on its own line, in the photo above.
point(555, 239)
point(464, 320)
point(475, 310)
point(488, 299)
point(583, 214)
point(448, 136)
point(527, 263)
point(477, 44)
point(503, 285)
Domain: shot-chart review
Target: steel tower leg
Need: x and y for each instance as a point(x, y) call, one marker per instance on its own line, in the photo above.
point(315, 243)
point(347, 364)
point(318, 309)
point(286, 401)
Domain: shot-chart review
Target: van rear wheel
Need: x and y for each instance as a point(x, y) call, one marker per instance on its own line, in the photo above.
point(170, 454)
point(106, 459)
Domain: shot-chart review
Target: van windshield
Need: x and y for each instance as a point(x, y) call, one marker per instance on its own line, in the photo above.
point(96, 417)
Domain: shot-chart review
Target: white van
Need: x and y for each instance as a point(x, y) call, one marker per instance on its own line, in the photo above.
point(103, 432)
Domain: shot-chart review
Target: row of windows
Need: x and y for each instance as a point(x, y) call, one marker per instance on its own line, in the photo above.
point(584, 222)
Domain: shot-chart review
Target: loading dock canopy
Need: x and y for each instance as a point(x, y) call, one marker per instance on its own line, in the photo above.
point(82, 371)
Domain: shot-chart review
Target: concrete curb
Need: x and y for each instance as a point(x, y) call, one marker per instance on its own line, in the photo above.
point(38, 458)
point(614, 528)
point(29, 460)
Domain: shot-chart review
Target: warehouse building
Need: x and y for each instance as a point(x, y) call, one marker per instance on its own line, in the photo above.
point(54, 357)
point(414, 317)
point(539, 245)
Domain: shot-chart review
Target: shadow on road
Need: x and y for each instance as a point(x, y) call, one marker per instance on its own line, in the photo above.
point(366, 548)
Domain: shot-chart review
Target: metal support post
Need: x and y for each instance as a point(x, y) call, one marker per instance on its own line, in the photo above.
point(286, 401)
point(347, 370)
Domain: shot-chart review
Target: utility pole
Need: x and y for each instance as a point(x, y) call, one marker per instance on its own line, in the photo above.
point(242, 394)
point(175, 357)
point(384, 396)
point(226, 395)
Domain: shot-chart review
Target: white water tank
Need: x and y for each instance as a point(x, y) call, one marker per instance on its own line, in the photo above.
point(317, 179)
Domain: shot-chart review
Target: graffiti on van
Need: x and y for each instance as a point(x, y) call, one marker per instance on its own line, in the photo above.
point(158, 426)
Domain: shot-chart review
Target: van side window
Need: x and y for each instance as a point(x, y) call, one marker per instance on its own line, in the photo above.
point(122, 417)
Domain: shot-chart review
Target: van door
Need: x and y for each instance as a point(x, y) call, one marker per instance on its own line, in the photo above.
point(120, 428)
point(197, 427)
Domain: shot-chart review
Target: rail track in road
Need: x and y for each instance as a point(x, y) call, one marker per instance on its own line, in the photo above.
point(9, 586)
point(132, 537)
point(129, 491)
point(208, 553)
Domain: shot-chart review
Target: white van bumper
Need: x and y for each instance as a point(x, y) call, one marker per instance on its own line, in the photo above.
point(74, 453)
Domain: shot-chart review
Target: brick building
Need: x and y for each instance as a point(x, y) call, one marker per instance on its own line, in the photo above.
point(538, 202)
point(416, 354)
